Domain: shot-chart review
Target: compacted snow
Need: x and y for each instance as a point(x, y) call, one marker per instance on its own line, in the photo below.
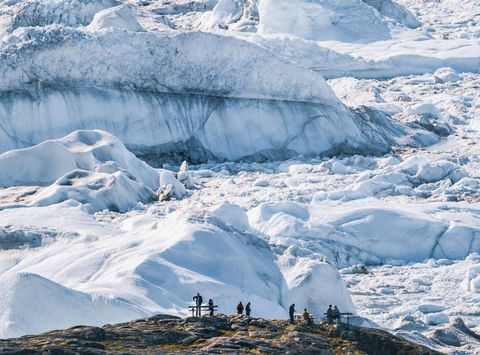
point(334, 148)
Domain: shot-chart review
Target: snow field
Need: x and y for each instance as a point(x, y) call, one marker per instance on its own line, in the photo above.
point(145, 256)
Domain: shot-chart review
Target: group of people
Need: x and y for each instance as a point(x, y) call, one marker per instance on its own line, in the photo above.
point(198, 299)
point(248, 309)
point(332, 314)
point(307, 317)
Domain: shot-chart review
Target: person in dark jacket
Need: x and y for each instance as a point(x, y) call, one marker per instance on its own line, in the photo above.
point(240, 309)
point(336, 314)
point(248, 309)
point(291, 312)
point(330, 315)
point(210, 307)
point(198, 303)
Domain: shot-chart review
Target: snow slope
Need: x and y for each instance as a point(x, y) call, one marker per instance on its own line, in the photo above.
point(32, 304)
point(152, 265)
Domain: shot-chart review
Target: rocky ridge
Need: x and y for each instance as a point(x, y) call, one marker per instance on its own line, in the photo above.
point(164, 334)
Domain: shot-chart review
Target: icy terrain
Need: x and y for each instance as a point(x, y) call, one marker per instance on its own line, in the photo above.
point(361, 190)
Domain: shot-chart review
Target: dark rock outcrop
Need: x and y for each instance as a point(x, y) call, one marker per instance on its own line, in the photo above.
point(164, 334)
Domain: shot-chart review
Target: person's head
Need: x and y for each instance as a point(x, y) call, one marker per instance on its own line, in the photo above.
point(335, 306)
point(198, 293)
point(240, 302)
point(304, 309)
point(248, 303)
point(293, 304)
point(210, 300)
point(330, 306)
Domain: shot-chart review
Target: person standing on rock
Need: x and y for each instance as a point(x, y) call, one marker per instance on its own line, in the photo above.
point(240, 309)
point(336, 314)
point(248, 309)
point(291, 312)
point(210, 307)
point(330, 314)
point(198, 302)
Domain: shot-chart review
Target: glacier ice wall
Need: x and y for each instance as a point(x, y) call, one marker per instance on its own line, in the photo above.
point(222, 128)
point(164, 94)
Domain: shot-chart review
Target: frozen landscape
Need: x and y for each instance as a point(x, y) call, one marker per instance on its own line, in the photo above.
point(332, 151)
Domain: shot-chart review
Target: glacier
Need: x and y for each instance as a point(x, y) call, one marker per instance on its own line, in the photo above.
point(182, 95)
point(332, 152)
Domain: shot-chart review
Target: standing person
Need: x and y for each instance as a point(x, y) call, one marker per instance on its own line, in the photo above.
point(198, 302)
point(330, 315)
point(240, 309)
point(291, 312)
point(210, 307)
point(336, 314)
point(248, 309)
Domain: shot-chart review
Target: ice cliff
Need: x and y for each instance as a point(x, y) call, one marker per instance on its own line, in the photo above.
point(167, 95)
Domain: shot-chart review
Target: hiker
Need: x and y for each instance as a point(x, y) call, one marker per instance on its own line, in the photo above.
point(248, 309)
point(198, 302)
point(210, 307)
point(336, 314)
point(306, 316)
point(240, 309)
point(291, 312)
point(330, 314)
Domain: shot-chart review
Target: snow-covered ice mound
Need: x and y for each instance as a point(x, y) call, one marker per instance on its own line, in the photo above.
point(93, 151)
point(457, 335)
point(32, 304)
point(155, 266)
point(91, 167)
point(101, 191)
point(344, 20)
point(473, 273)
point(371, 231)
point(119, 17)
point(30, 13)
point(395, 11)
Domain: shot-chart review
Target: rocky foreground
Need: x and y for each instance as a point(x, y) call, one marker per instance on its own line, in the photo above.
point(163, 334)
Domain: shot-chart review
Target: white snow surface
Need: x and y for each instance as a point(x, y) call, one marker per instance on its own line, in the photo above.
point(119, 17)
point(95, 151)
point(147, 264)
point(344, 20)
